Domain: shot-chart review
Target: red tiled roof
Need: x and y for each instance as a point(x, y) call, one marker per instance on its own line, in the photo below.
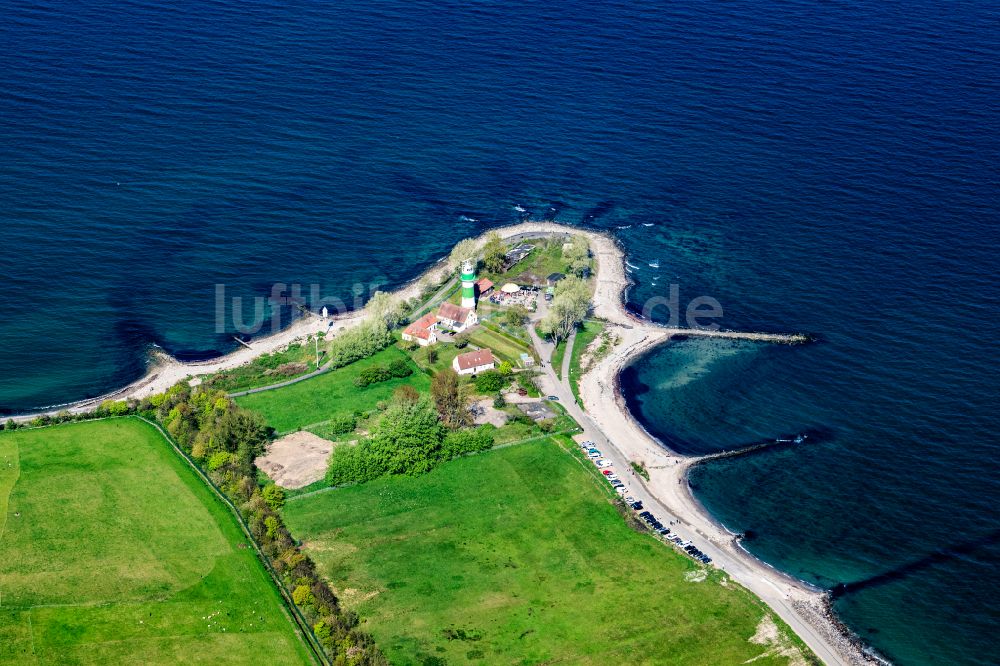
point(421, 328)
point(474, 359)
point(484, 284)
point(453, 312)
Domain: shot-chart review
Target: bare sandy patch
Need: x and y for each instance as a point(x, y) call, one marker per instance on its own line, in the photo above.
point(296, 460)
point(484, 412)
point(778, 644)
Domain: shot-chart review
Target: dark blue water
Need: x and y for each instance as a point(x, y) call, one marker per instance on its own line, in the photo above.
point(827, 168)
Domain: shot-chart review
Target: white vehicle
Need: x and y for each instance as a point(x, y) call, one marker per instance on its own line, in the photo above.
point(602, 463)
point(621, 490)
point(594, 455)
point(611, 477)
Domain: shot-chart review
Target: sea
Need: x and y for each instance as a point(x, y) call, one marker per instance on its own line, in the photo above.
point(828, 168)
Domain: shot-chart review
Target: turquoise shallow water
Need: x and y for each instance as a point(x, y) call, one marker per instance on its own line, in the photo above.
point(813, 167)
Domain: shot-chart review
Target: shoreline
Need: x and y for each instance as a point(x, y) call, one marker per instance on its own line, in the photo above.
point(805, 608)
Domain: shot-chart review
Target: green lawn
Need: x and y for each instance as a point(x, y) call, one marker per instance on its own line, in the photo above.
point(112, 550)
point(589, 331)
point(504, 347)
point(516, 556)
point(331, 394)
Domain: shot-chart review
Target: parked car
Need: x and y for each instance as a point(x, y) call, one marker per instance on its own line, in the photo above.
point(608, 473)
point(554, 398)
point(635, 505)
point(612, 476)
point(594, 454)
point(602, 463)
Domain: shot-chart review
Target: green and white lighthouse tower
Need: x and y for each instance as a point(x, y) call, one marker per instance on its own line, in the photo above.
point(468, 284)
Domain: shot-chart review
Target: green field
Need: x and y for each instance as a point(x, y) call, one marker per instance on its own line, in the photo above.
point(112, 550)
point(331, 394)
point(516, 556)
point(504, 347)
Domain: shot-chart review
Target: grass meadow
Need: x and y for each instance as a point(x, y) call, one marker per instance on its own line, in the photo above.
point(112, 550)
point(331, 394)
point(517, 556)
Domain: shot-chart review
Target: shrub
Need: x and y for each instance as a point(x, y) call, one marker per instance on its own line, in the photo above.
point(372, 375)
point(499, 402)
point(400, 368)
point(342, 424)
point(505, 369)
point(274, 496)
point(461, 442)
point(490, 381)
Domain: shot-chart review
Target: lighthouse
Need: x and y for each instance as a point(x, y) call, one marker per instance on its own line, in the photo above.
point(468, 284)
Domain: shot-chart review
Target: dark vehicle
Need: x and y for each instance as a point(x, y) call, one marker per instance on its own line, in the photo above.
point(636, 505)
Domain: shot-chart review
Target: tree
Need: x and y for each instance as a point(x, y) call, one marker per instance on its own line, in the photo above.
point(577, 255)
point(386, 307)
point(432, 355)
point(407, 438)
point(365, 339)
point(515, 315)
point(464, 249)
point(569, 306)
point(244, 433)
point(494, 253)
point(505, 368)
point(499, 402)
point(448, 399)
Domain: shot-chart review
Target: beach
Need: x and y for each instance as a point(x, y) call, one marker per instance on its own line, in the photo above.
point(606, 419)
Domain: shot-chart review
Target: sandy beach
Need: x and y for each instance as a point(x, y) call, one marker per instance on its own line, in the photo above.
point(607, 418)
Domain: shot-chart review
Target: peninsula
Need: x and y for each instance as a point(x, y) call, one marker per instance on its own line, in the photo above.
point(588, 399)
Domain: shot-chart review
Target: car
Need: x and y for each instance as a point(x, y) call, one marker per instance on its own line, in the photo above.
point(593, 450)
point(617, 484)
point(629, 499)
point(553, 398)
point(594, 454)
point(645, 514)
point(621, 490)
point(612, 476)
point(602, 463)
point(663, 530)
point(607, 472)
point(637, 505)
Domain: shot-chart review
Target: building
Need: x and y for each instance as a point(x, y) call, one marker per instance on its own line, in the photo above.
point(484, 287)
point(553, 278)
point(456, 318)
point(474, 362)
point(423, 331)
point(468, 284)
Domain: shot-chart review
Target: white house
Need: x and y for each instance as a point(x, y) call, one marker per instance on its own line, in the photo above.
point(455, 317)
point(422, 331)
point(474, 362)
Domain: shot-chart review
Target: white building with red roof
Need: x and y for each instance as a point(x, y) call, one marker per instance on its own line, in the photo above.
point(474, 362)
point(455, 317)
point(423, 331)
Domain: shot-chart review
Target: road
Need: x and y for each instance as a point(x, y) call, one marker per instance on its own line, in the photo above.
point(779, 599)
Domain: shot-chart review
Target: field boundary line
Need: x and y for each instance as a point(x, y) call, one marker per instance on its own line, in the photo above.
point(301, 625)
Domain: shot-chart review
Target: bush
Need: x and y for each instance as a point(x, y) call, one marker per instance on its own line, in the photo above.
point(339, 425)
point(372, 375)
point(274, 496)
point(220, 459)
point(499, 402)
point(400, 368)
point(461, 442)
point(490, 381)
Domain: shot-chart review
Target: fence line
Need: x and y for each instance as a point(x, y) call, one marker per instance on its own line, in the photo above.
point(302, 625)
